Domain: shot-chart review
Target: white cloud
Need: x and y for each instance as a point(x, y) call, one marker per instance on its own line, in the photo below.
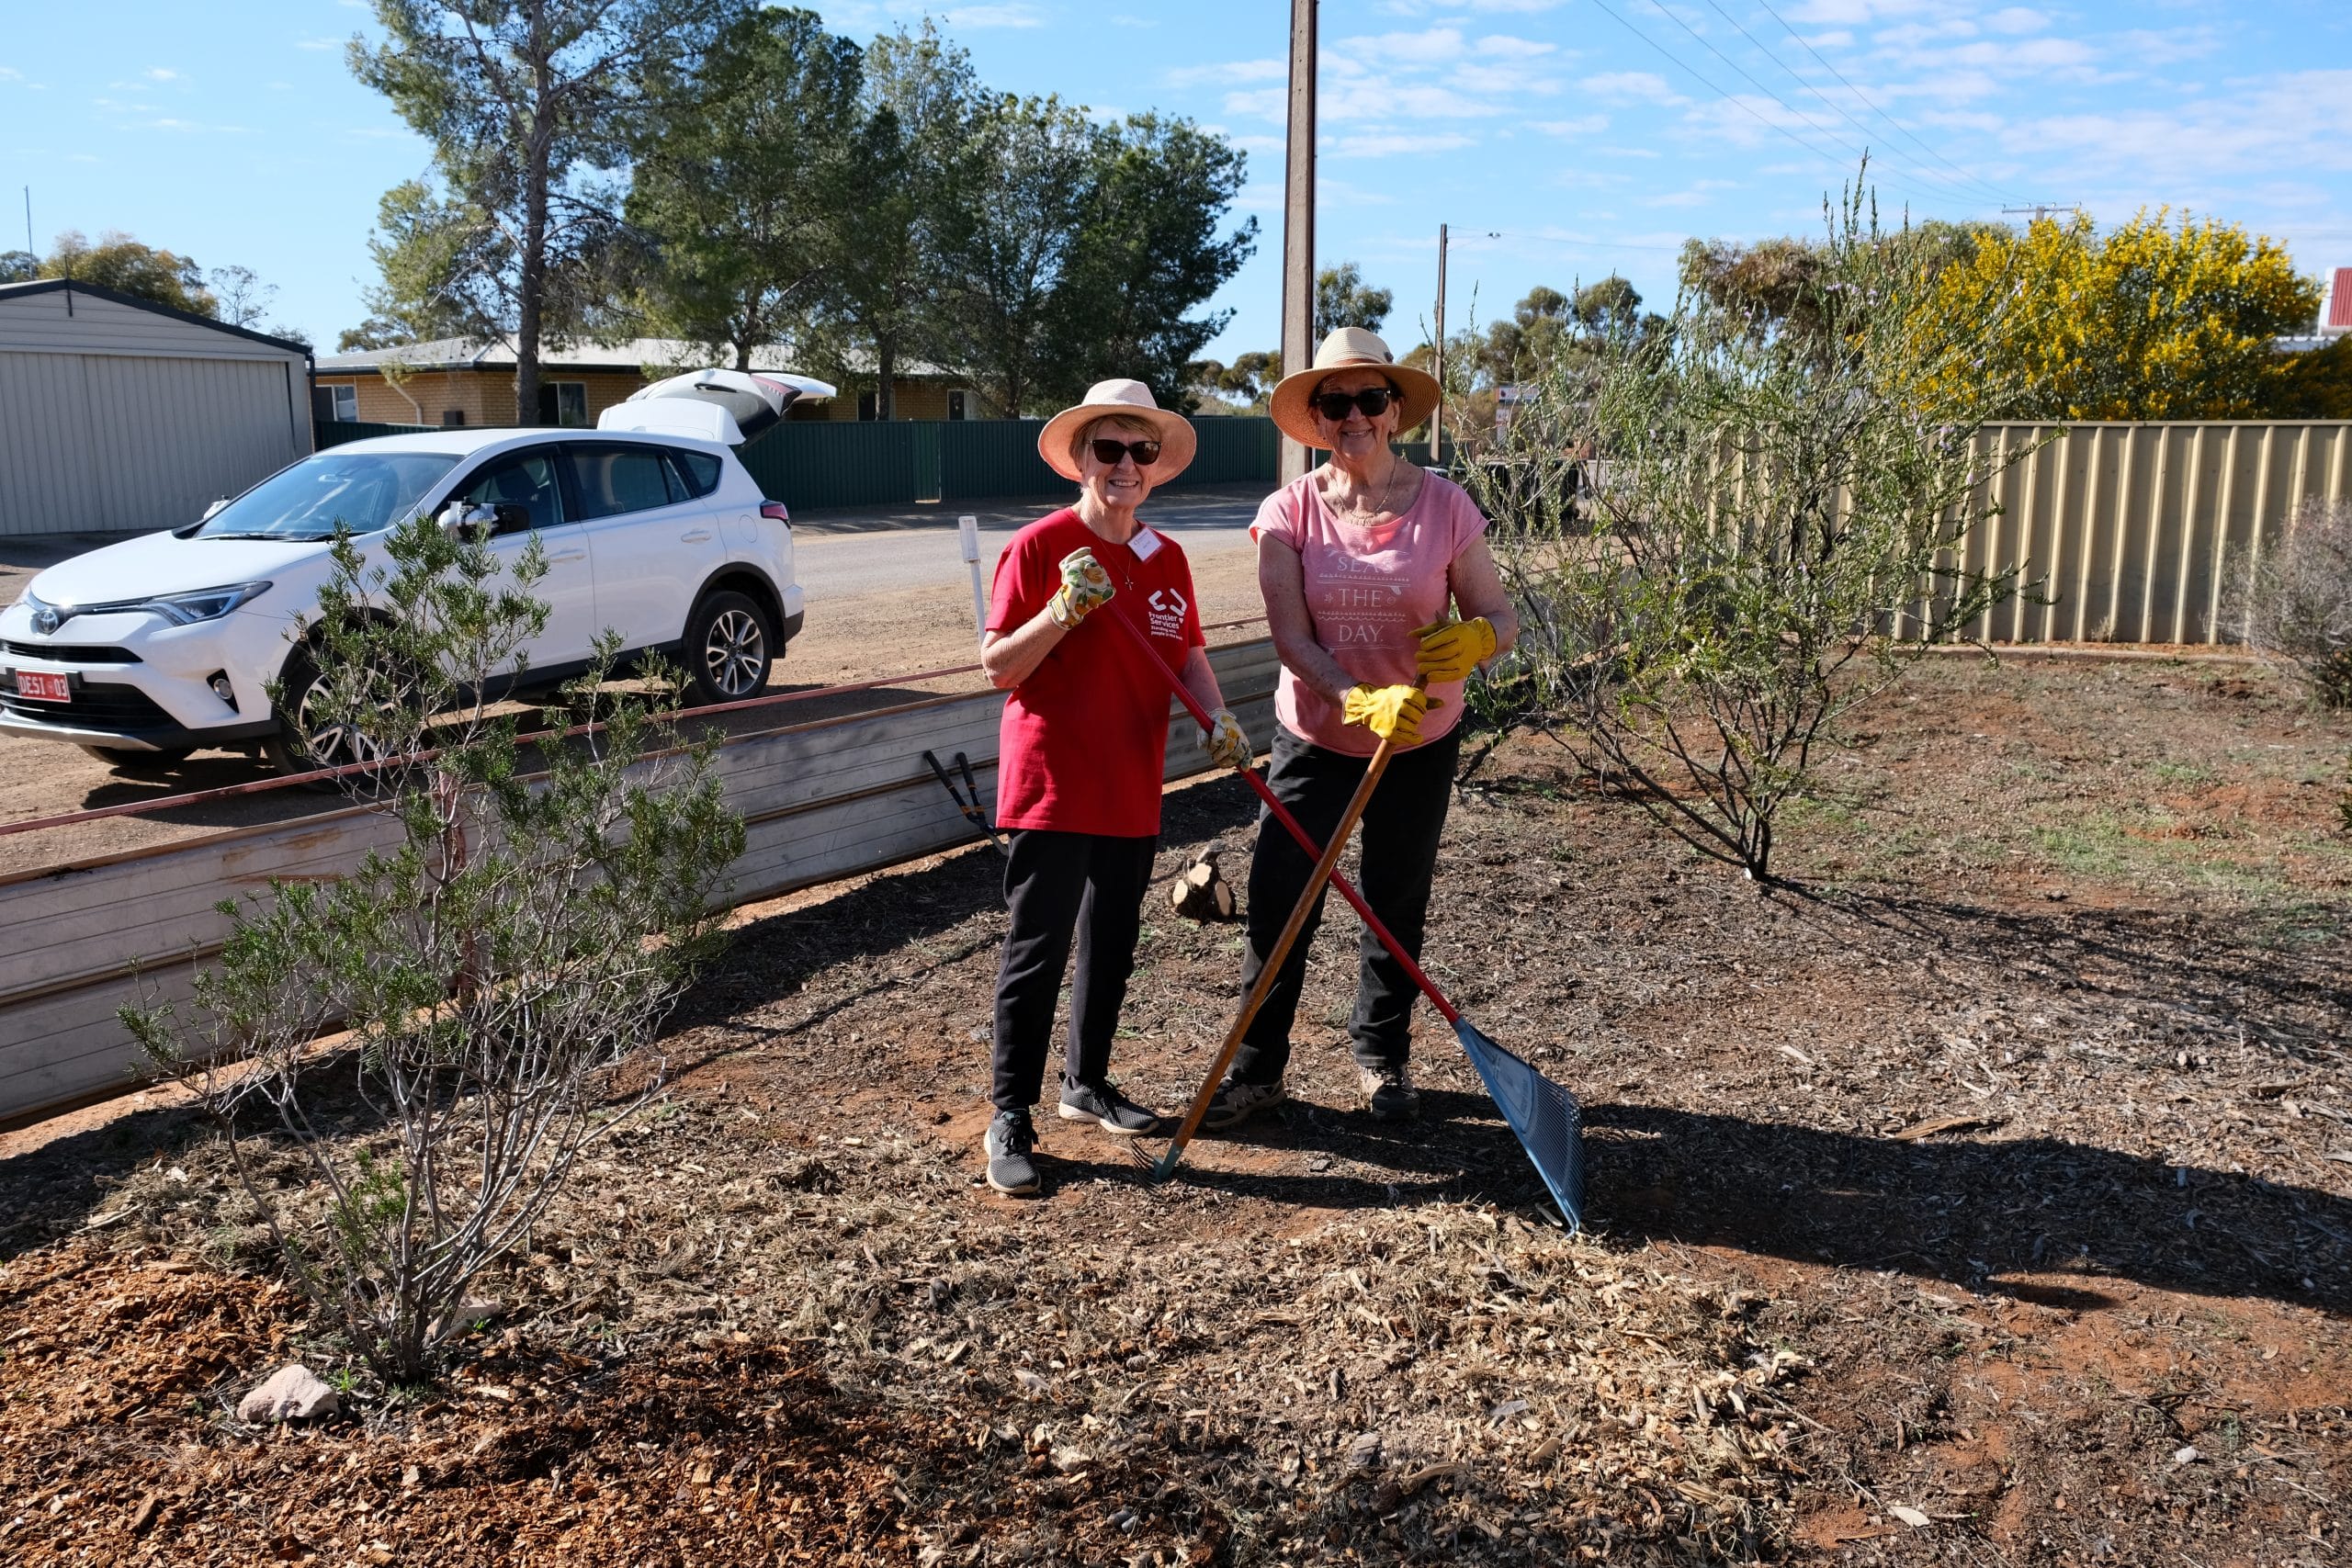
point(1583, 125)
point(1390, 144)
point(978, 17)
point(1132, 22)
point(2299, 121)
point(1227, 72)
point(1632, 86)
point(10, 73)
point(1699, 193)
point(2017, 19)
point(1260, 102)
point(318, 44)
point(160, 73)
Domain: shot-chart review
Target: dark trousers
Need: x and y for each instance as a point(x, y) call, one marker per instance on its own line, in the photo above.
point(1401, 828)
point(1055, 885)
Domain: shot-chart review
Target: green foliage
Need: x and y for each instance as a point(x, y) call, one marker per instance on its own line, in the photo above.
point(740, 169)
point(1342, 300)
point(500, 966)
point(18, 266)
point(1722, 538)
point(524, 102)
point(438, 264)
point(2315, 384)
point(122, 264)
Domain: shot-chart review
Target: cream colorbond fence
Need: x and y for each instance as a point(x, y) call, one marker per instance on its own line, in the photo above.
point(2131, 531)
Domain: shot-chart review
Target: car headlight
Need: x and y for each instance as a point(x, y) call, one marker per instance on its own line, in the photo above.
point(180, 609)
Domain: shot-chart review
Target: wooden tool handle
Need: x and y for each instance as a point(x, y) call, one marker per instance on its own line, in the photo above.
point(1281, 950)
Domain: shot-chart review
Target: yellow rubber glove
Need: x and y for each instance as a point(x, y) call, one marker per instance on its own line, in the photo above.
point(1227, 742)
point(1392, 712)
point(1450, 650)
point(1085, 587)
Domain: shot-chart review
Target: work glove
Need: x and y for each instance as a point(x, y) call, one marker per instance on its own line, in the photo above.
point(1450, 650)
point(1392, 712)
point(1227, 742)
point(1085, 587)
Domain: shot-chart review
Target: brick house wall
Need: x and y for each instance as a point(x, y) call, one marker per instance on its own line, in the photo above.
point(484, 397)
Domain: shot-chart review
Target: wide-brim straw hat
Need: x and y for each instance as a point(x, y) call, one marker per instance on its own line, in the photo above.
point(1126, 399)
point(1350, 348)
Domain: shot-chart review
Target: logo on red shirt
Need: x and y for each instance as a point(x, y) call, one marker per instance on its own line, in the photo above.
point(1168, 608)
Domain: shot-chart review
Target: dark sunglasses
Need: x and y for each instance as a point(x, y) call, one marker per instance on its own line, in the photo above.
point(1108, 452)
point(1373, 401)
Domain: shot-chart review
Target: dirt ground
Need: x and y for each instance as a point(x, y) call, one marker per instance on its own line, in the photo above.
point(1985, 1198)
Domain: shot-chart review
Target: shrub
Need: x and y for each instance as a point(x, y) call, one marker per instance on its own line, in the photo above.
point(2295, 602)
point(1723, 538)
point(499, 968)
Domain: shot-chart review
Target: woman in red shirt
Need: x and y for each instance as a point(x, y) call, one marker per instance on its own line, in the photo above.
point(1082, 753)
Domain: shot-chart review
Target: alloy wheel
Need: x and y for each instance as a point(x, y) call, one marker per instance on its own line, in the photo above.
point(734, 653)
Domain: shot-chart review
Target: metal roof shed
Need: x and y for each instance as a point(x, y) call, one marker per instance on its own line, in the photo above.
point(117, 414)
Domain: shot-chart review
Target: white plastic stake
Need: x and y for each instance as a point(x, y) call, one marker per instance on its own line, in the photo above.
point(968, 528)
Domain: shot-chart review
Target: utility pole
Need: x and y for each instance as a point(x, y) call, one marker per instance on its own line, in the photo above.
point(1298, 219)
point(1437, 360)
point(29, 222)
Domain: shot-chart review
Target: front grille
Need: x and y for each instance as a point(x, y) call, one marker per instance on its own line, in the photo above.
point(123, 707)
point(71, 652)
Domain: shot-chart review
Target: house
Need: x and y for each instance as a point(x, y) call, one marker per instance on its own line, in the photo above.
point(462, 381)
point(119, 415)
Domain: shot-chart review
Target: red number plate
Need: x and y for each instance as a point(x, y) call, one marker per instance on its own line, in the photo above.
point(44, 686)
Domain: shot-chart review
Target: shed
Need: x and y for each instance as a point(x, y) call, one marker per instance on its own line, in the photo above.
point(120, 415)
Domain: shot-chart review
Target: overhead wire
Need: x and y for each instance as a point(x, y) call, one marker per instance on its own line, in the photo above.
point(1896, 124)
point(1742, 103)
point(1949, 190)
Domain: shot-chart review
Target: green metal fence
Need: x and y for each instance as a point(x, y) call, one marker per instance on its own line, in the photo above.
point(329, 433)
point(816, 463)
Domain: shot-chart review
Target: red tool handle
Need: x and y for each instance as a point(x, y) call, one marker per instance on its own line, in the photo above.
point(1314, 850)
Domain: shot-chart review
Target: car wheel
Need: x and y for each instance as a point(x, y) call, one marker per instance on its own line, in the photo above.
point(130, 761)
point(305, 740)
point(731, 646)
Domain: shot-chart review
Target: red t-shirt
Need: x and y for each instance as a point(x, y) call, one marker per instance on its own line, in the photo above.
point(1083, 745)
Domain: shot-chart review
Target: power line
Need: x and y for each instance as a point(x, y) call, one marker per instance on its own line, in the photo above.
point(1708, 44)
point(1981, 183)
point(1704, 79)
point(1897, 125)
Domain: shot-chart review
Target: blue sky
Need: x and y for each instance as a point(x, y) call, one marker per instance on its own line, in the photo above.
point(1561, 138)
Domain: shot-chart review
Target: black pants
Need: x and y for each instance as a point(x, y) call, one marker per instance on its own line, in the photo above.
point(1056, 884)
point(1401, 828)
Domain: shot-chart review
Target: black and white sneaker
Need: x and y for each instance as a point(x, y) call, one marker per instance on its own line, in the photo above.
point(1009, 1142)
point(1103, 1105)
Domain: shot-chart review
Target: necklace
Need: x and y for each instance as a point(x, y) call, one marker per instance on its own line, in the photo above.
point(1363, 519)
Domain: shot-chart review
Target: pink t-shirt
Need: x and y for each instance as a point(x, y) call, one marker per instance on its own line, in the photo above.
point(1367, 589)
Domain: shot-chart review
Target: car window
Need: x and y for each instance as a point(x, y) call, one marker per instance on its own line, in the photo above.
point(700, 469)
point(614, 480)
point(359, 490)
point(525, 479)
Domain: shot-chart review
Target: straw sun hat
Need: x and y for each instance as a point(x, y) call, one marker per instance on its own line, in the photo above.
point(1129, 401)
point(1350, 348)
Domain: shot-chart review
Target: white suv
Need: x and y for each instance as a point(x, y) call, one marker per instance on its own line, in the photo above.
point(145, 650)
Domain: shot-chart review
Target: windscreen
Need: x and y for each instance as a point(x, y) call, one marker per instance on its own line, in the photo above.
point(364, 491)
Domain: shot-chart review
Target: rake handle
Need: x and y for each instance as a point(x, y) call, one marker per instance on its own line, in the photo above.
point(1281, 813)
point(1325, 867)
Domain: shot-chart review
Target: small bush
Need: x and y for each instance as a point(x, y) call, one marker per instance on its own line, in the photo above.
point(2296, 601)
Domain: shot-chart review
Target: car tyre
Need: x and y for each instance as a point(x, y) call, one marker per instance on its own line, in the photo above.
point(293, 748)
point(729, 649)
point(122, 758)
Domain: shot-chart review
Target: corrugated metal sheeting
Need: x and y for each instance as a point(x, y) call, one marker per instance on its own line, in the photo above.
point(2134, 531)
point(115, 418)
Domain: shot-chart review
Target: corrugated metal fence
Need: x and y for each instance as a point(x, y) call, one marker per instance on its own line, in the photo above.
point(335, 431)
point(2132, 532)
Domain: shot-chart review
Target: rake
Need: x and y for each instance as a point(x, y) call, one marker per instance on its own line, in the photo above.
point(1544, 1116)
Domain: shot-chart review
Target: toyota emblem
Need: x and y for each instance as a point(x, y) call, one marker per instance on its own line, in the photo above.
point(46, 620)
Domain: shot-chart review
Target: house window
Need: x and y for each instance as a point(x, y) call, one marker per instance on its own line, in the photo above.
point(453, 416)
point(564, 402)
point(335, 405)
point(956, 407)
point(869, 405)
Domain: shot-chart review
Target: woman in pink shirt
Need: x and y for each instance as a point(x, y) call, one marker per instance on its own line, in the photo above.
point(1361, 563)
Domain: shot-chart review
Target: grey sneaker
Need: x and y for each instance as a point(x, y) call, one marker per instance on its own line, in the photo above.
point(1389, 1094)
point(1102, 1104)
point(1234, 1103)
point(1011, 1140)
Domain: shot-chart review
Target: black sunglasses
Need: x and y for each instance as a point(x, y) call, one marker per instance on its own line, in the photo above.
point(1108, 452)
point(1373, 401)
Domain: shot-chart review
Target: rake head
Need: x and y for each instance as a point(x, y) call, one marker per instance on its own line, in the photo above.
point(1549, 1125)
